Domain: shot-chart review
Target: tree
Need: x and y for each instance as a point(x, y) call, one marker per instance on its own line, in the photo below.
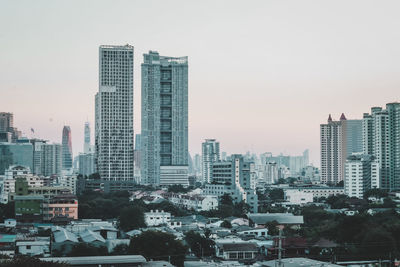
point(226, 224)
point(375, 192)
point(121, 249)
point(272, 228)
point(276, 194)
point(155, 245)
point(177, 188)
point(199, 245)
point(131, 217)
point(226, 199)
point(83, 249)
point(95, 176)
point(241, 209)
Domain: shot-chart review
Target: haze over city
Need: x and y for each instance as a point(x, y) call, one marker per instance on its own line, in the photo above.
point(263, 75)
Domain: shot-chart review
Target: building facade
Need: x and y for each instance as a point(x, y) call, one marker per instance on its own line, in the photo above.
point(339, 139)
point(210, 155)
point(381, 135)
point(114, 114)
point(164, 136)
point(51, 159)
point(66, 148)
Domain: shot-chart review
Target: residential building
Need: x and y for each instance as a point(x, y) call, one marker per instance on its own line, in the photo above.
point(318, 192)
point(66, 148)
point(362, 174)
point(234, 178)
point(381, 135)
point(298, 197)
point(236, 251)
point(210, 155)
point(15, 154)
point(155, 218)
point(37, 155)
point(114, 114)
point(164, 136)
point(194, 202)
point(51, 159)
point(339, 139)
point(62, 207)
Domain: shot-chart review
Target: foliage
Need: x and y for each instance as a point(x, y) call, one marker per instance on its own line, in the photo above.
point(226, 199)
point(154, 245)
point(178, 188)
point(7, 210)
point(131, 217)
point(121, 249)
point(95, 176)
point(272, 228)
point(102, 206)
point(338, 201)
point(199, 245)
point(276, 194)
point(376, 192)
point(83, 249)
point(25, 261)
point(226, 224)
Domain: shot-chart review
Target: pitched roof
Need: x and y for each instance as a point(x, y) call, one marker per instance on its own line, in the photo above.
point(64, 235)
point(89, 236)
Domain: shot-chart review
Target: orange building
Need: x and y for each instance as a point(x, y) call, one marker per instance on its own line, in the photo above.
point(60, 208)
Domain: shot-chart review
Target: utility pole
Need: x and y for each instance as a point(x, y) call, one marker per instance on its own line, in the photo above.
point(280, 264)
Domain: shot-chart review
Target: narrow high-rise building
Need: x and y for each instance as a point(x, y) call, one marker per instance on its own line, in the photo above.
point(210, 155)
point(8, 133)
point(66, 148)
point(87, 146)
point(114, 114)
point(164, 144)
point(339, 139)
point(381, 135)
point(51, 159)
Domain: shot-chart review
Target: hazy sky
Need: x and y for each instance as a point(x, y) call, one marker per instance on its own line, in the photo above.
point(262, 74)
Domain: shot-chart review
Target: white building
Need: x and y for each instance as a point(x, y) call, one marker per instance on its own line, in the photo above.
point(298, 197)
point(210, 154)
point(33, 247)
point(194, 202)
point(170, 175)
point(114, 114)
point(362, 174)
point(155, 218)
point(318, 192)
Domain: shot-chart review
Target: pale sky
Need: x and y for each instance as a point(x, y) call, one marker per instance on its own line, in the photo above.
point(262, 74)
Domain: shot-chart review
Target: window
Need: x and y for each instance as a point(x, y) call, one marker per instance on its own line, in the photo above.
point(28, 247)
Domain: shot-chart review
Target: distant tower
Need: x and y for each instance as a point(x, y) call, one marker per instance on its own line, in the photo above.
point(66, 148)
point(87, 147)
point(210, 154)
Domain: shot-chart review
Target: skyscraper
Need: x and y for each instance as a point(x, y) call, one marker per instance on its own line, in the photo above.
point(210, 154)
point(51, 159)
point(66, 148)
point(164, 134)
point(381, 139)
point(114, 114)
point(339, 139)
point(87, 146)
point(8, 133)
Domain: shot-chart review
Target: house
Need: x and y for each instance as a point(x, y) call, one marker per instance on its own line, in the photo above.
point(298, 262)
point(39, 247)
point(7, 245)
point(292, 246)
point(107, 232)
point(236, 251)
point(93, 238)
point(260, 232)
point(10, 223)
point(63, 240)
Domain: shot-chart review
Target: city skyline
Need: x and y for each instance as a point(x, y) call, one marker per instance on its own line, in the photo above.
point(309, 77)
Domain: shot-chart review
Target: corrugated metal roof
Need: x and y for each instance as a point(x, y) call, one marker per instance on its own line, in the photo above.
point(89, 236)
point(281, 218)
point(64, 235)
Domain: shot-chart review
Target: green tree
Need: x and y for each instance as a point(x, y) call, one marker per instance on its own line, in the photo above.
point(375, 192)
point(199, 245)
point(121, 249)
point(131, 217)
point(25, 261)
point(178, 188)
point(226, 199)
point(276, 194)
point(154, 245)
point(272, 228)
point(226, 224)
point(83, 249)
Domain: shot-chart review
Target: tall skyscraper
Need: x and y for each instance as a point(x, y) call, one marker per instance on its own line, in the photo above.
point(87, 146)
point(66, 148)
point(339, 139)
point(114, 114)
point(8, 133)
point(210, 154)
point(138, 141)
point(51, 159)
point(381, 139)
point(164, 134)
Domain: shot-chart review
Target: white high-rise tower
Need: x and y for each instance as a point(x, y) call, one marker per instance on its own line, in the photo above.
point(87, 147)
point(114, 113)
point(210, 154)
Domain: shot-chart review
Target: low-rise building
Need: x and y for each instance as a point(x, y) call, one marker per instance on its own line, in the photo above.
point(155, 218)
point(61, 207)
point(33, 247)
point(298, 197)
point(194, 202)
point(318, 192)
point(236, 251)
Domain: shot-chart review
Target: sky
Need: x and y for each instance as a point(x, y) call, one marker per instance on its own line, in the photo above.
point(263, 75)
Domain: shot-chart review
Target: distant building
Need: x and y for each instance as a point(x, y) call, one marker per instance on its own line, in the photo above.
point(164, 136)
point(381, 137)
point(156, 218)
point(37, 155)
point(210, 155)
point(87, 145)
point(86, 164)
point(361, 175)
point(51, 159)
point(298, 197)
point(66, 148)
point(339, 139)
point(234, 178)
point(8, 133)
point(15, 154)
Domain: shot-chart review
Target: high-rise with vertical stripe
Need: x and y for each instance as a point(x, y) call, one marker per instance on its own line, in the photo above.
point(114, 114)
point(164, 147)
